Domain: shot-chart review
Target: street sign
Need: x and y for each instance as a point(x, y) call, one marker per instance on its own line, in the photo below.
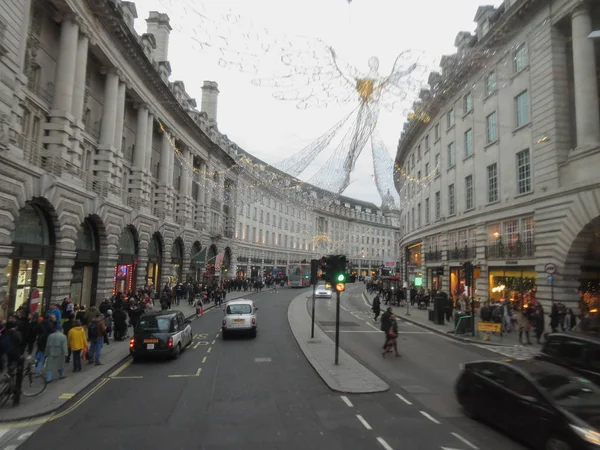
point(550, 280)
point(550, 268)
point(35, 301)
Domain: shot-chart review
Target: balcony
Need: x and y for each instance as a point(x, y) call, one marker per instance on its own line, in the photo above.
point(433, 256)
point(214, 204)
point(520, 249)
point(465, 253)
point(229, 234)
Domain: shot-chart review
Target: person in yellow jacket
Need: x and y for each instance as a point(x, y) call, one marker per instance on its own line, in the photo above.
point(77, 341)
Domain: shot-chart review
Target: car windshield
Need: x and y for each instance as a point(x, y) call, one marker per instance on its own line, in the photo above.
point(321, 287)
point(155, 324)
point(239, 309)
point(569, 391)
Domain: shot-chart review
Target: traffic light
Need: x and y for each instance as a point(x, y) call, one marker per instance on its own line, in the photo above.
point(314, 271)
point(333, 268)
point(340, 287)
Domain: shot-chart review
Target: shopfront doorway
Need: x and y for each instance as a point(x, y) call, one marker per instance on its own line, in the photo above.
point(29, 270)
point(154, 267)
point(196, 261)
point(126, 268)
point(176, 262)
point(85, 269)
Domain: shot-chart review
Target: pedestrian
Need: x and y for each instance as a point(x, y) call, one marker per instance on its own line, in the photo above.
point(386, 323)
point(392, 337)
point(539, 322)
point(77, 343)
point(523, 326)
point(96, 332)
point(376, 307)
point(55, 354)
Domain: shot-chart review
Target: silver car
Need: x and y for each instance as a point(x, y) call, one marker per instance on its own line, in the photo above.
point(240, 317)
point(322, 291)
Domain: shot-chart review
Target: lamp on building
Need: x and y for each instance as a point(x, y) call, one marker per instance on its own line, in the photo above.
point(594, 34)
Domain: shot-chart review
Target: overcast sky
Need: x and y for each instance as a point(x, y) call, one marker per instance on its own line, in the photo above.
point(272, 129)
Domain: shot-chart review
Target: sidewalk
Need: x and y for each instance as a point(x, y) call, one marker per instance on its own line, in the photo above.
point(349, 376)
point(59, 392)
point(420, 317)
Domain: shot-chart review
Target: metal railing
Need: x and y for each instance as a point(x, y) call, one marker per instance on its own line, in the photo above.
point(434, 255)
point(519, 249)
point(462, 253)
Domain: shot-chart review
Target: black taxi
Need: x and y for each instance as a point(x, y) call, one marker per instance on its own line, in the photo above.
point(161, 333)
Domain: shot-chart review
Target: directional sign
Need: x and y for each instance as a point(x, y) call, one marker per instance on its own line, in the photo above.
point(550, 268)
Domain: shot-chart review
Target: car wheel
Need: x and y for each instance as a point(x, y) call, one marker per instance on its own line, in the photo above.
point(177, 351)
point(555, 443)
point(253, 332)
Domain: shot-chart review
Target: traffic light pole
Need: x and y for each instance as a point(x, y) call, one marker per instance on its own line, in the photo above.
point(337, 328)
point(312, 324)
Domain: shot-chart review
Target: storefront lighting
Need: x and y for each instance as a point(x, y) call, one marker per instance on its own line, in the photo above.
point(496, 235)
point(499, 288)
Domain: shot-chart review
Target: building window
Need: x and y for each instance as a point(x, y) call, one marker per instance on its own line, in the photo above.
point(451, 200)
point(469, 142)
point(490, 83)
point(521, 59)
point(419, 152)
point(451, 155)
point(523, 172)
point(436, 131)
point(412, 227)
point(468, 103)
point(491, 126)
point(438, 205)
point(450, 118)
point(522, 109)
point(427, 142)
point(437, 164)
point(492, 173)
point(418, 217)
point(427, 212)
point(426, 169)
point(412, 161)
point(469, 203)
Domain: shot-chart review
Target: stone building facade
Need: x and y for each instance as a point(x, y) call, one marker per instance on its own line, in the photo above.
point(110, 177)
point(502, 156)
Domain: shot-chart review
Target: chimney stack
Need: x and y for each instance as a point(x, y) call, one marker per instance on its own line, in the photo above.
point(210, 99)
point(159, 26)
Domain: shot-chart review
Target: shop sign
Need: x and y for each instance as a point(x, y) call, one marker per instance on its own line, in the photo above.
point(550, 268)
point(512, 263)
point(489, 327)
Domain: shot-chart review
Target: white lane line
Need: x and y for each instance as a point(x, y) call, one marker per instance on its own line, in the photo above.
point(364, 422)
point(433, 419)
point(384, 444)
point(374, 327)
point(24, 436)
point(403, 399)
point(347, 401)
point(464, 441)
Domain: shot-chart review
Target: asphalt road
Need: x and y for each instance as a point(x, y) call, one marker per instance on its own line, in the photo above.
point(250, 393)
point(424, 376)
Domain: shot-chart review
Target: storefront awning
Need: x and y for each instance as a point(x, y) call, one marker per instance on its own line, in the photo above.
point(199, 259)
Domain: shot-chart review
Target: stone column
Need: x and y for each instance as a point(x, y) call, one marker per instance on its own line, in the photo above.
point(25, 26)
point(585, 78)
point(59, 127)
point(120, 118)
point(139, 191)
point(163, 193)
point(140, 273)
point(149, 140)
point(109, 257)
point(77, 103)
point(64, 258)
point(107, 158)
point(184, 199)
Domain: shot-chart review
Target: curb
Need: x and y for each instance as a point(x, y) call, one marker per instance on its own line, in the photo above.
point(327, 373)
point(450, 335)
point(50, 412)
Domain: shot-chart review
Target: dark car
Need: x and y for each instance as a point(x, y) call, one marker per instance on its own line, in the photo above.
point(545, 405)
point(161, 333)
point(578, 352)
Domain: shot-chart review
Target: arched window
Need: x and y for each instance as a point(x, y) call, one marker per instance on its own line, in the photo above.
point(127, 243)
point(31, 227)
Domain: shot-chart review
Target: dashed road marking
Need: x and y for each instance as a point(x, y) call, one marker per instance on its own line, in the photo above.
point(64, 396)
point(209, 349)
point(24, 436)
point(374, 327)
point(213, 342)
point(403, 399)
point(262, 360)
point(121, 369)
point(364, 422)
point(430, 417)
point(347, 401)
point(384, 444)
point(204, 360)
point(464, 441)
point(138, 377)
point(197, 374)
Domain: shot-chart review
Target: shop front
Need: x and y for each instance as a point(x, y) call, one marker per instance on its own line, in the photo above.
point(196, 261)
point(85, 269)
point(154, 263)
point(414, 261)
point(242, 267)
point(29, 269)
point(125, 270)
point(176, 262)
point(434, 277)
point(516, 284)
point(210, 274)
point(226, 263)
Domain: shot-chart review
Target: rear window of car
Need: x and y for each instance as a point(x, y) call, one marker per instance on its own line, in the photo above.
point(155, 324)
point(239, 309)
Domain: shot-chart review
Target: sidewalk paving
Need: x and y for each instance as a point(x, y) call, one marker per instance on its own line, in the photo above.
point(349, 376)
point(420, 318)
point(59, 392)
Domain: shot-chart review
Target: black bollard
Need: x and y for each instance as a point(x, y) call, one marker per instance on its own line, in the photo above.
point(18, 383)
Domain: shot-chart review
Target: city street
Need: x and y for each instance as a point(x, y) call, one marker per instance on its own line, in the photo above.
point(262, 394)
point(424, 374)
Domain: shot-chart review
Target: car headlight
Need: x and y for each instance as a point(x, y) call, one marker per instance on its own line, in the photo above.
point(591, 436)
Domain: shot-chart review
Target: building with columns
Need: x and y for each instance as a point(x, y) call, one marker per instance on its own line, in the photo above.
point(111, 179)
point(500, 163)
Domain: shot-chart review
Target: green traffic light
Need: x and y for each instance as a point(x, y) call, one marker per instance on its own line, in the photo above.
point(341, 278)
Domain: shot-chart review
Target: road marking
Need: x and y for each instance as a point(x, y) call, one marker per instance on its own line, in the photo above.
point(197, 374)
point(384, 444)
point(203, 360)
point(351, 331)
point(24, 436)
point(464, 441)
point(64, 396)
point(364, 422)
point(218, 334)
point(137, 377)
point(262, 360)
point(347, 401)
point(433, 419)
point(201, 336)
point(374, 327)
point(209, 349)
point(213, 342)
point(403, 399)
point(3, 431)
point(121, 369)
